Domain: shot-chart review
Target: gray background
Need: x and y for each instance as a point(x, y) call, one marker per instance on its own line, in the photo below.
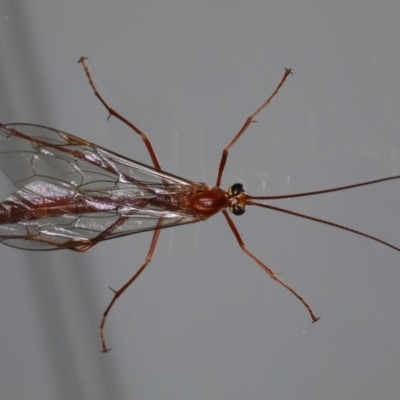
point(205, 322)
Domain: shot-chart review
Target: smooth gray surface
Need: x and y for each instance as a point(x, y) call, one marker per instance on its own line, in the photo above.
point(205, 322)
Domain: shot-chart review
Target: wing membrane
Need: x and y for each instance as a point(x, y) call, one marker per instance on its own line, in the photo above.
point(80, 190)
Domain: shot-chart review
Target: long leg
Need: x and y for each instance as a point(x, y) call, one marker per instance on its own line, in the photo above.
point(112, 112)
point(118, 293)
point(268, 270)
point(246, 125)
point(81, 248)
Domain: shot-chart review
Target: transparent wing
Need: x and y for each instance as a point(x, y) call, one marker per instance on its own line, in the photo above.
point(72, 192)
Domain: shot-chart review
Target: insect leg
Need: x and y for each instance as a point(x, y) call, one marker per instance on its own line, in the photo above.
point(272, 274)
point(88, 244)
point(246, 125)
point(112, 112)
point(118, 293)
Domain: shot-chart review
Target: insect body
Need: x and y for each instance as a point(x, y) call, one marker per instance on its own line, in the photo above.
point(72, 194)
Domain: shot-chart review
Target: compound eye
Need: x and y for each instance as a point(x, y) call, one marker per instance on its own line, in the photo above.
point(236, 189)
point(237, 210)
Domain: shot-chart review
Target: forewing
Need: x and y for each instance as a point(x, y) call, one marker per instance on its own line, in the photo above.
point(53, 168)
point(32, 152)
